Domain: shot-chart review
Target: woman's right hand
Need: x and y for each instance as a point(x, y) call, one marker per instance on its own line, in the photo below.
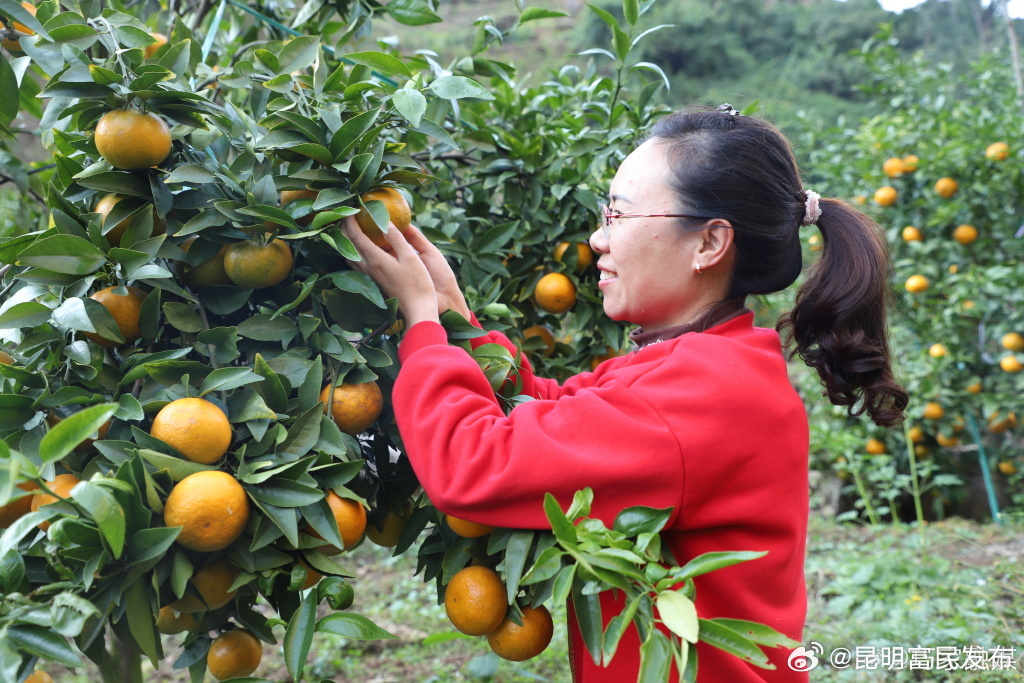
point(449, 294)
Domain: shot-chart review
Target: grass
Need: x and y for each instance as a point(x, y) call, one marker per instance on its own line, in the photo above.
point(954, 583)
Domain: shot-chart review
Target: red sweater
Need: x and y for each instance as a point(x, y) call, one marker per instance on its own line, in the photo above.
point(706, 423)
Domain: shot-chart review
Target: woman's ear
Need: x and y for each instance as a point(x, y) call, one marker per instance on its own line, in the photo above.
point(717, 241)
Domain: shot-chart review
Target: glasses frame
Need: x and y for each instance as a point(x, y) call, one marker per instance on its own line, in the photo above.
point(607, 215)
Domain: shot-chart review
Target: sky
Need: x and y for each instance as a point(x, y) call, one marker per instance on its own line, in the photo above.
point(1016, 6)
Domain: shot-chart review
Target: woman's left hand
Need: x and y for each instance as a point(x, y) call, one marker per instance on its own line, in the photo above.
point(401, 275)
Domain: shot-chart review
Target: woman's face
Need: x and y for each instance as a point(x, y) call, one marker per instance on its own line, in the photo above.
point(648, 274)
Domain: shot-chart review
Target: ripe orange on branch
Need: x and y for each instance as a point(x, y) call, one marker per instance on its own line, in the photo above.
point(256, 265)
point(131, 139)
point(475, 600)
point(354, 407)
point(212, 582)
point(916, 284)
point(13, 44)
point(196, 428)
point(16, 509)
point(289, 196)
point(61, 486)
point(125, 310)
point(933, 411)
point(875, 447)
point(211, 508)
point(965, 234)
point(545, 334)
point(398, 210)
point(234, 654)
point(169, 622)
point(387, 535)
point(894, 167)
point(518, 643)
point(1012, 341)
point(997, 151)
point(467, 529)
point(115, 234)
point(946, 187)
point(350, 516)
point(584, 255)
point(151, 49)
point(209, 273)
point(911, 163)
point(1010, 364)
point(912, 234)
point(886, 196)
point(555, 293)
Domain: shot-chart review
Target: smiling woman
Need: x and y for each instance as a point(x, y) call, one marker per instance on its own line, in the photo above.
point(701, 416)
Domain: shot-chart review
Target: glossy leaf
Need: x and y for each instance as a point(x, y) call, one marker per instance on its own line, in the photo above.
point(298, 637)
point(73, 430)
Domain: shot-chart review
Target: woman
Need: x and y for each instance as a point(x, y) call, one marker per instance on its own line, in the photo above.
point(701, 417)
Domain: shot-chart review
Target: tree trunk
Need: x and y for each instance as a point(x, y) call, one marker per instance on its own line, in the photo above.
point(1014, 53)
point(121, 664)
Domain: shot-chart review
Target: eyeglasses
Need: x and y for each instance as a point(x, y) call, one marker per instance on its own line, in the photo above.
point(607, 215)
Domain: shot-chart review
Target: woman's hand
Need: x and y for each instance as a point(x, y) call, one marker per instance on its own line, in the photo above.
point(449, 295)
point(403, 275)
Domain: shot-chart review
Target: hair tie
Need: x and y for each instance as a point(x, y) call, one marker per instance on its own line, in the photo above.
point(812, 212)
point(728, 109)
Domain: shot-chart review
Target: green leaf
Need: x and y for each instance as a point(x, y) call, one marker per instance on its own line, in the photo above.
point(225, 379)
point(354, 626)
point(709, 562)
point(617, 626)
point(516, 552)
point(588, 617)
point(679, 614)
point(183, 317)
point(634, 521)
point(620, 41)
point(534, 13)
point(25, 314)
point(105, 511)
point(604, 15)
point(298, 53)
point(44, 643)
point(64, 254)
point(8, 83)
point(564, 531)
point(411, 12)
point(380, 61)
point(265, 327)
point(139, 602)
point(298, 636)
point(631, 11)
point(411, 104)
point(73, 430)
point(546, 566)
point(303, 434)
point(285, 493)
point(758, 633)
point(149, 544)
point(69, 612)
point(655, 658)
point(459, 87)
point(717, 635)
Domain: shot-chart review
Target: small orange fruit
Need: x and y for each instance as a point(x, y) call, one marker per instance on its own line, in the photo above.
point(475, 600)
point(354, 407)
point(1013, 341)
point(211, 508)
point(256, 265)
point(916, 284)
point(946, 187)
point(912, 234)
point(815, 242)
point(350, 516)
point(1010, 364)
point(947, 441)
point(584, 255)
point(194, 427)
point(387, 535)
point(170, 622)
point(875, 447)
point(886, 196)
point(965, 234)
point(125, 310)
point(312, 577)
point(893, 168)
point(555, 293)
point(921, 451)
point(115, 234)
point(999, 424)
point(916, 435)
point(234, 654)
point(467, 529)
point(1007, 468)
point(974, 388)
point(398, 211)
point(6, 358)
point(14, 44)
point(911, 163)
point(16, 509)
point(608, 354)
point(209, 273)
point(518, 643)
point(937, 350)
point(38, 676)
point(213, 583)
point(997, 151)
point(545, 334)
point(132, 139)
point(933, 411)
point(153, 48)
point(61, 486)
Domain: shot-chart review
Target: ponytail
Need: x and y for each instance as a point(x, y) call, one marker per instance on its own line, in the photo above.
point(838, 323)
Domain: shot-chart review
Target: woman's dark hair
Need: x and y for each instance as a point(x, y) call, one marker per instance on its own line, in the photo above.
point(742, 169)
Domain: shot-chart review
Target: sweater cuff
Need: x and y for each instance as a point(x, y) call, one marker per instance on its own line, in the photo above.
point(421, 335)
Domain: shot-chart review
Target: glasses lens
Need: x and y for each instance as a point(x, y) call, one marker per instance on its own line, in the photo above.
point(605, 220)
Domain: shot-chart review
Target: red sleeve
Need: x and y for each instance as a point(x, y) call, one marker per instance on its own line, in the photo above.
point(474, 462)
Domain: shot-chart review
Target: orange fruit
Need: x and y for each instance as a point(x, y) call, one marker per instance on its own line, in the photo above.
point(609, 353)
point(211, 508)
point(893, 168)
point(545, 334)
point(875, 447)
point(6, 358)
point(288, 196)
point(886, 196)
point(234, 654)
point(131, 139)
point(152, 48)
point(387, 535)
point(16, 509)
point(467, 529)
point(933, 411)
point(125, 310)
point(937, 350)
point(14, 44)
point(1007, 468)
point(968, 305)
point(475, 600)
point(209, 273)
point(916, 284)
point(920, 451)
point(213, 583)
point(196, 428)
point(354, 407)
point(312, 577)
point(974, 388)
point(916, 435)
point(912, 234)
point(39, 676)
point(518, 643)
point(947, 441)
point(946, 187)
point(398, 211)
point(61, 486)
point(350, 516)
point(999, 424)
point(584, 255)
point(911, 163)
point(256, 265)
point(953, 269)
point(1013, 341)
point(170, 622)
point(815, 242)
point(116, 233)
point(997, 151)
point(555, 293)
point(1010, 364)
point(965, 234)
